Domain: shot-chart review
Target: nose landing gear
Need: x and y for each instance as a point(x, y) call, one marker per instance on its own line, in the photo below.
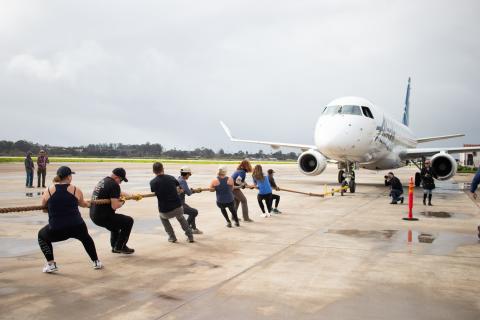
point(347, 177)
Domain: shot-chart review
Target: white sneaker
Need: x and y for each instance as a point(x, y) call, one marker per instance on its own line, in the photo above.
point(268, 214)
point(97, 264)
point(49, 268)
point(263, 215)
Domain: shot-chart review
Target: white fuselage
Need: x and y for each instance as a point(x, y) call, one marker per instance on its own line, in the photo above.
point(353, 129)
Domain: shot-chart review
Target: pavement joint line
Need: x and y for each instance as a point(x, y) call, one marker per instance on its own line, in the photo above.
point(258, 263)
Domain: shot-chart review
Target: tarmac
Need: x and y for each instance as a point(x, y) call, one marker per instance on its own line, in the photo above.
point(350, 257)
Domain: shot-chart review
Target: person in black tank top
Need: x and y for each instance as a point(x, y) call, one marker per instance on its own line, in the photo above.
point(223, 187)
point(64, 220)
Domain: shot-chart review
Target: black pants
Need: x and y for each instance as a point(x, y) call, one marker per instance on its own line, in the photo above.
point(41, 173)
point(231, 206)
point(268, 200)
point(276, 197)
point(192, 213)
point(46, 236)
point(119, 226)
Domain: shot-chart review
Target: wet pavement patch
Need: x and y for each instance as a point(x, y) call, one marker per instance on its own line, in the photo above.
point(168, 297)
point(374, 234)
point(426, 238)
point(437, 214)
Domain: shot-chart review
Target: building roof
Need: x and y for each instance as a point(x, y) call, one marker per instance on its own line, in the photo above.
point(471, 145)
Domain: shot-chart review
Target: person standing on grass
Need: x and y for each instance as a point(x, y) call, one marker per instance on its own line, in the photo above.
point(29, 168)
point(42, 162)
point(275, 197)
point(64, 220)
point(167, 190)
point(239, 179)
point(264, 190)
point(223, 186)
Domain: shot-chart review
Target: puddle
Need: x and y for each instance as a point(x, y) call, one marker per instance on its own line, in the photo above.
point(374, 234)
point(148, 226)
point(426, 238)
point(436, 243)
point(168, 297)
point(437, 214)
point(13, 247)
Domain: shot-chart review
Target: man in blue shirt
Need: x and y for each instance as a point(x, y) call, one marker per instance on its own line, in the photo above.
point(185, 173)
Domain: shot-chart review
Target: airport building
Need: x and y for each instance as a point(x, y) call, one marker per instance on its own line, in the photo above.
point(470, 159)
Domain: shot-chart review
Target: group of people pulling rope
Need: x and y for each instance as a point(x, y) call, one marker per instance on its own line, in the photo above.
point(62, 201)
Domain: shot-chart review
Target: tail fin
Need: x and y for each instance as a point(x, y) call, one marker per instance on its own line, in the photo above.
point(406, 111)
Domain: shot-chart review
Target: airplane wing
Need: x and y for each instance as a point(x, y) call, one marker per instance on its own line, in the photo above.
point(450, 136)
point(274, 145)
point(426, 152)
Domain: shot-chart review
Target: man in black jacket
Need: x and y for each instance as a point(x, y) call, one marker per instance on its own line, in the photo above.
point(396, 188)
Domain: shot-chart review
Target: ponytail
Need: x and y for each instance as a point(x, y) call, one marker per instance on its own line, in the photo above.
point(57, 179)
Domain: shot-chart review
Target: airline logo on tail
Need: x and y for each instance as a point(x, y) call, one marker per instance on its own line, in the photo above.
point(406, 117)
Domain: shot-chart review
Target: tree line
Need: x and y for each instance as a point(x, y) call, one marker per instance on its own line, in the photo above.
point(120, 150)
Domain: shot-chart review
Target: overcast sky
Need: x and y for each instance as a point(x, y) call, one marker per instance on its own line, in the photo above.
point(80, 72)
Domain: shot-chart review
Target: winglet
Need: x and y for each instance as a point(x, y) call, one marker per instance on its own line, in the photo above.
point(227, 130)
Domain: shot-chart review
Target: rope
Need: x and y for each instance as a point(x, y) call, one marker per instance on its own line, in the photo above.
point(138, 197)
point(100, 201)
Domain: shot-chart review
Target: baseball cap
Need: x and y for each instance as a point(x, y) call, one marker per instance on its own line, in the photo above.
point(121, 173)
point(64, 172)
point(185, 169)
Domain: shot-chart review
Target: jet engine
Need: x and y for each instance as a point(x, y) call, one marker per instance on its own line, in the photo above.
point(312, 163)
point(443, 165)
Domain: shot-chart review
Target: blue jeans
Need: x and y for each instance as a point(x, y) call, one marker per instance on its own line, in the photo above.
point(396, 195)
point(29, 181)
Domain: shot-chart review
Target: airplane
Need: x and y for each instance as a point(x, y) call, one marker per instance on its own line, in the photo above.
point(355, 133)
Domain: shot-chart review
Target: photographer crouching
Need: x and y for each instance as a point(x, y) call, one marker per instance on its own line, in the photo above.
point(396, 188)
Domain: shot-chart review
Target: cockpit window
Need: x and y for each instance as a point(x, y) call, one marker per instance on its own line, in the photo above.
point(367, 112)
point(332, 110)
point(351, 110)
point(347, 109)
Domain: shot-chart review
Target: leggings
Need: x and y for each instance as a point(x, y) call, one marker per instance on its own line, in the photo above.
point(231, 207)
point(276, 197)
point(46, 236)
point(268, 200)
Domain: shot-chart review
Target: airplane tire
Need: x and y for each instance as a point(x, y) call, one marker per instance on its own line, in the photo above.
point(340, 176)
point(418, 179)
point(352, 185)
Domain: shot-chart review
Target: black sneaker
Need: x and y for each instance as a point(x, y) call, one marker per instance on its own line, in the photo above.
point(124, 250)
point(237, 224)
point(393, 202)
point(229, 225)
point(172, 239)
point(190, 239)
point(401, 200)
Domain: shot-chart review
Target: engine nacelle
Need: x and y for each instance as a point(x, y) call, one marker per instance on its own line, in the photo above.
point(312, 163)
point(443, 165)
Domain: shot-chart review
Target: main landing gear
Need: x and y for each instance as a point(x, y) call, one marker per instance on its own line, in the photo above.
point(346, 176)
point(418, 177)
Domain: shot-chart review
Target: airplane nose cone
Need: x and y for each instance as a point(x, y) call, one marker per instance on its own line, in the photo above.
point(341, 136)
